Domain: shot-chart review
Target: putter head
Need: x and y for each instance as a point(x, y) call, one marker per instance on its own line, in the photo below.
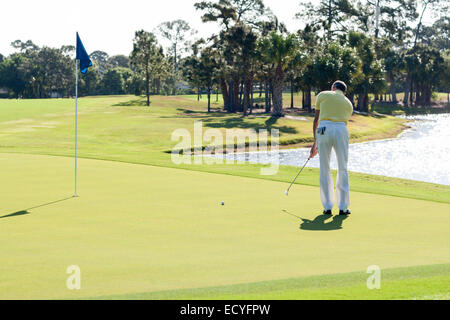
point(286, 192)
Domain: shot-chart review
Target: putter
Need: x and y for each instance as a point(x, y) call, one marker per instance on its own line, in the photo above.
point(287, 191)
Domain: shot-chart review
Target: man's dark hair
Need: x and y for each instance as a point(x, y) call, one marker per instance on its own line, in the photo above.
point(340, 85)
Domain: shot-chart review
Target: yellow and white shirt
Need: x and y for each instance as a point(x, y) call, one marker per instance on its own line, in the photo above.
point(334, 106)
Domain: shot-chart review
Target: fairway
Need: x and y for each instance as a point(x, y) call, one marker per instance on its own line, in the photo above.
point(139, 229)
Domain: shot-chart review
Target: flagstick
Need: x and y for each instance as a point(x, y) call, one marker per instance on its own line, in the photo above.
point(76, 124)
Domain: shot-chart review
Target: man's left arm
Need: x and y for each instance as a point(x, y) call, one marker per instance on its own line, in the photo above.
point(314, 151)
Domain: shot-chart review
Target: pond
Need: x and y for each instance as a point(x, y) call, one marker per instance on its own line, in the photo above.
point(421, 153)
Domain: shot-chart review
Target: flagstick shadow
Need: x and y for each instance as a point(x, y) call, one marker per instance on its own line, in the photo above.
point(320, 222)
point(27, 211)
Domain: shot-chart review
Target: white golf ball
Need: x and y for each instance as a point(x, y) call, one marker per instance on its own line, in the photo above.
point(286, 193)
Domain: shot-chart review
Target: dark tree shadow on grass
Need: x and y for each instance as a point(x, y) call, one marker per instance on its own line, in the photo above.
point(320, 222)
point(197, 114)
point(221, 119)
point(27, 211)
point(132, 103)
point(240, 123)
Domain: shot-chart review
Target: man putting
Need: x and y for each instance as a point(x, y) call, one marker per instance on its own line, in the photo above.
point(333, 110)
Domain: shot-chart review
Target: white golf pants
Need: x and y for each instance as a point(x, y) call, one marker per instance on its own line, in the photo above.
point(334, 136)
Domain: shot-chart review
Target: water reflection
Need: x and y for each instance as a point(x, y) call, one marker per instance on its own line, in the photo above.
point(420, 153)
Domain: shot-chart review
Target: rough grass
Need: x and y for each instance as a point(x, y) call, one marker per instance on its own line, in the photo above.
point(400, 110)
point(124, 120)
point(412, 283)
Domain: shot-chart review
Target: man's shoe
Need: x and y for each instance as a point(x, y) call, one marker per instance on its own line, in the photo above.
point(327, 212)
point(344, 213)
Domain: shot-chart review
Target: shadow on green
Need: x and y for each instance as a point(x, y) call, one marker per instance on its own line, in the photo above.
point(15, 214)
point(27, 211)
point(321, 222)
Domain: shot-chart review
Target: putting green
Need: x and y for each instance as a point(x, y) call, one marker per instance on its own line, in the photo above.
point(140, 228)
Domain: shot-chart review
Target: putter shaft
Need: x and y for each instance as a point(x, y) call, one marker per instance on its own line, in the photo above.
point(298, 175)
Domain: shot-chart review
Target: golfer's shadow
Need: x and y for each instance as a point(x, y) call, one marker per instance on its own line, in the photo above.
point(321, 222)
point(27, 211)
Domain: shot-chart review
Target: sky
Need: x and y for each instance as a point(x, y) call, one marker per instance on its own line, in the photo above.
point(106, 25)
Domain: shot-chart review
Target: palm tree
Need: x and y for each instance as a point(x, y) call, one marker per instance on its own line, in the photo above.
point(393, 65)
point(279, 51)
point(295, 68)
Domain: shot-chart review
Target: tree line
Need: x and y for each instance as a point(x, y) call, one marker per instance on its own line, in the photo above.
point(35, 72)
point(380, 48)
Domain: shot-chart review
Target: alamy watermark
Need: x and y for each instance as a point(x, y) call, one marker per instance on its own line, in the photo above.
point(374, 280)
point(211, 146)
point(73, 282)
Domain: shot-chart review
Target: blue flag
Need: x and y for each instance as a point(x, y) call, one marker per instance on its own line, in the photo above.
point(85, 61)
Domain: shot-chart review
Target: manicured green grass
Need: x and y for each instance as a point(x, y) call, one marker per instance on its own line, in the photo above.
point(147, 228)
point(138, 229)
point(421, 283)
